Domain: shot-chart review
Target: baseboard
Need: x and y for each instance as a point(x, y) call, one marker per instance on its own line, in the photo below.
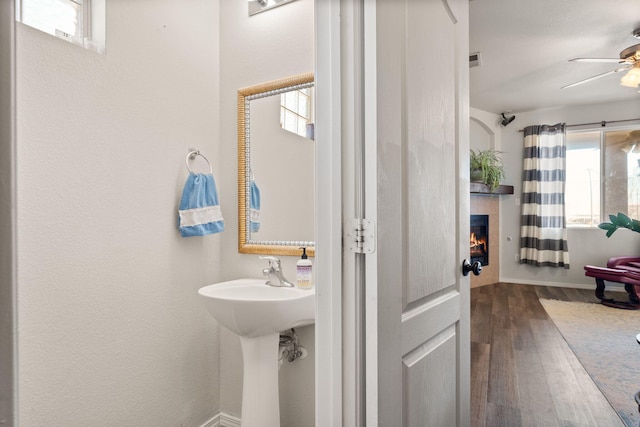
point(227, 420)
point(610, 286)
point(222, 420)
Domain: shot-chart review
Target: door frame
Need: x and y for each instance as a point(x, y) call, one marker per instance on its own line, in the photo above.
point(328, 202)
point(8, 251)
point(339, 371)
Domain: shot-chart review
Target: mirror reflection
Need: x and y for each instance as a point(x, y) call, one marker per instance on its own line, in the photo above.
point(296, 112)
point(276, 167)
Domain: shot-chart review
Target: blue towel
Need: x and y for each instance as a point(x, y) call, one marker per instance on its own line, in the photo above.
point(254, 208)
point(199, 213)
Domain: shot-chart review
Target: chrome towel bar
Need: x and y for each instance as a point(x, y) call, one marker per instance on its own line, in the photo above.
point(193, 153)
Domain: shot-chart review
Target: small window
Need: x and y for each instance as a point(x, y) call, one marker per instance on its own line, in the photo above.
point(603, 176)
point(295, 111)
point(77, 21)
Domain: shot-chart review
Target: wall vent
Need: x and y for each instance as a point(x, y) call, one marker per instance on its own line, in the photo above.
point(474, 60)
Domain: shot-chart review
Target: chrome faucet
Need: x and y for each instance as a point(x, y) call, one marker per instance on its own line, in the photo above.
point(274, 273)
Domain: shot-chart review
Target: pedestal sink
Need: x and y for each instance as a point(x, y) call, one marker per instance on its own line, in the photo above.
point(257, 313)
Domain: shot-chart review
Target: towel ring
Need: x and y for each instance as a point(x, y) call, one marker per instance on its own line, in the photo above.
point(192, 155)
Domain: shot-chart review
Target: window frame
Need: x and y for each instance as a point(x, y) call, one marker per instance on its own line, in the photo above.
point(87, 36)
point(602, 163)
point(284, 110)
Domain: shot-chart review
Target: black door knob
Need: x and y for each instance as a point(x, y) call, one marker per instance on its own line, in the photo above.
point(476, 267)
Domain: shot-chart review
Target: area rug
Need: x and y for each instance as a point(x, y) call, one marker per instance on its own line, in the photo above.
point(604, 340)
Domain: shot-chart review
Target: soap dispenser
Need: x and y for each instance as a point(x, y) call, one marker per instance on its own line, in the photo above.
point(304, 275)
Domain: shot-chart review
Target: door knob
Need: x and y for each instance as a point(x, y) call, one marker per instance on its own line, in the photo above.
point(476, 267)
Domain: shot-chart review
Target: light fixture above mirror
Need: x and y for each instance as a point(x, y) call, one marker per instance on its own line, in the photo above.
point(257, 6)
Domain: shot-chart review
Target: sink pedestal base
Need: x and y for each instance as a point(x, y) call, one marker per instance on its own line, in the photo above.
point(260, 399)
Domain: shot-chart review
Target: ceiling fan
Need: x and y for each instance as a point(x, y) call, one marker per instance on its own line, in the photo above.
point(629, 59)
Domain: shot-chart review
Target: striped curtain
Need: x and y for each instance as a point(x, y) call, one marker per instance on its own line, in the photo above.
point(543, 232)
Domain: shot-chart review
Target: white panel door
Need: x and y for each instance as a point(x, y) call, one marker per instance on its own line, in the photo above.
point(417, 193)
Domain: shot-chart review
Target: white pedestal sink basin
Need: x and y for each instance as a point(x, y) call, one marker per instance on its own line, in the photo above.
point(257, 313)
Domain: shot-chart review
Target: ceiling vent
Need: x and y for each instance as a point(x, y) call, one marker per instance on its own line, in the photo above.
point(475, 60)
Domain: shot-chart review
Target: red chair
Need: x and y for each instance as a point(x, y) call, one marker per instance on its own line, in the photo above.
point(625, 270)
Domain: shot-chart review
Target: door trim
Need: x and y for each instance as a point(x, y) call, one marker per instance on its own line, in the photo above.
point(328, 202)
point(8, 250)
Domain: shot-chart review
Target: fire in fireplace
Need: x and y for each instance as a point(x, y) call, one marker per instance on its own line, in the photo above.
point(479, 239)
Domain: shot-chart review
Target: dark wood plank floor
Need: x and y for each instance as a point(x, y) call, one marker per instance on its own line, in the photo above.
point(523, 373)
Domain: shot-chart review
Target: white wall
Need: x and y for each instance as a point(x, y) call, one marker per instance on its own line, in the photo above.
point(484, 130)
point(111, 331)
point(257, 49)
point(585, 246)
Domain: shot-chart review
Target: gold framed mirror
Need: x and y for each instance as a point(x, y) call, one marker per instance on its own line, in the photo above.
point(276, 163)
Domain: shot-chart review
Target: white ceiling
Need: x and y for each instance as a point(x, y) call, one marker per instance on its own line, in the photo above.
point(526, 44)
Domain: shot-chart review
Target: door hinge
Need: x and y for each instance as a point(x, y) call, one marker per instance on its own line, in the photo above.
point(360, 236)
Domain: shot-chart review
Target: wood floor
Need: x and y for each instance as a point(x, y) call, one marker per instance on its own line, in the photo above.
point(523, 373)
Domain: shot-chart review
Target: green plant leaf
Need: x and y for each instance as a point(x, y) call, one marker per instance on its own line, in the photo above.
point(624, 220)
point(607, 226)
point(620, 221)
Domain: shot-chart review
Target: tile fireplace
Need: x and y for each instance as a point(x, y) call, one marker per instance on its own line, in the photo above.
point(479, 239)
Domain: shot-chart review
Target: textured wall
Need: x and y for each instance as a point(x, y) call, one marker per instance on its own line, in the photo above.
point(111, 331)
point(257, 49)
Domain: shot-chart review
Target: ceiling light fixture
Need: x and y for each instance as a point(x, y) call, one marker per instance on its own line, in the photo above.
point(506, 120)
point(632, 78)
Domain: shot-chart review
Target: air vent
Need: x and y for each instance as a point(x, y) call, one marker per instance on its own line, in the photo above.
point(475, 60)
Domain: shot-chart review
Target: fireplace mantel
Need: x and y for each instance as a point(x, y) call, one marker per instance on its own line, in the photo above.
point(480, 188)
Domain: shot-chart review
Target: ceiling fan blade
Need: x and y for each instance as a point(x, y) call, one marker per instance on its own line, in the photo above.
point(597, 76)
point(608, 60)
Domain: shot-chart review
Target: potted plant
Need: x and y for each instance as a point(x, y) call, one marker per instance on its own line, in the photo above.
point(486, 167)
point(620, 221)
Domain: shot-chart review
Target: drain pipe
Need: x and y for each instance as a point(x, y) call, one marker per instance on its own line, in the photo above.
point(289, 349)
